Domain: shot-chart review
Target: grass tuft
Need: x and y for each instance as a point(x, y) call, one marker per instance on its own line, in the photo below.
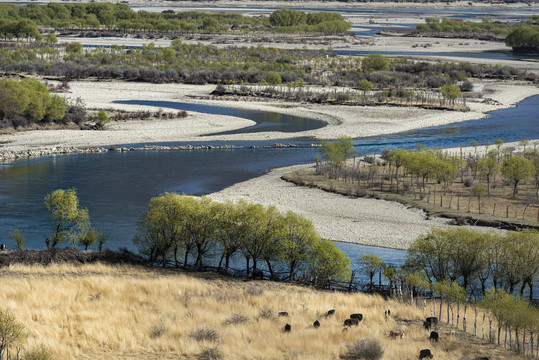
point(205, 333)
point(368, 349)
point(210, 353)
point(236, 319)
point(159, 330)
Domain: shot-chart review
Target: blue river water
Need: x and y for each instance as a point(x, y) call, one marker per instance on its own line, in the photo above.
point(116, 187)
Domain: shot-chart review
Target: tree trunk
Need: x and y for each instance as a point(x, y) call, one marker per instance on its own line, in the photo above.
point(270, 268)
point(291, 272)
point(458, 314)
point(441, 303)
point(510, 338)
point(187, 251)
point(227, 262)
point(475, 323)
point(176, 262)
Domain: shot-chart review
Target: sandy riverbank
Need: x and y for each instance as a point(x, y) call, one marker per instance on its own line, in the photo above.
point(342, 120)
point(340, 218)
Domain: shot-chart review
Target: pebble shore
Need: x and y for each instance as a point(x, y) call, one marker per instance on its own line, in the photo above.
point(9, 155)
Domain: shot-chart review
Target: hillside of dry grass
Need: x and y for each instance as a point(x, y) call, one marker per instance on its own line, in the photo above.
point(97, 311)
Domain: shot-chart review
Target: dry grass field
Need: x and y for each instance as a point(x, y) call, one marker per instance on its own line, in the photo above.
point(122, 312)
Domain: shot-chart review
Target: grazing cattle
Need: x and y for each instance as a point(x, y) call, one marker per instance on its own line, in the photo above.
point(282, 313)
point(427, 325)
point(287, 328)
point(425, 354)
point(387, 313)
point(396, 333)
point(350, 322)
point(481, 358)
point(358, 317)
point(316, 324)
point(433, 336)
point(331, 312)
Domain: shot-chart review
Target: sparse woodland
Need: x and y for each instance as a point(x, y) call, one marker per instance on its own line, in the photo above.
point(499, 185)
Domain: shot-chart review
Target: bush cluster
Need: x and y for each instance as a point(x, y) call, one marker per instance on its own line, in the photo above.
point(27, 101)
point(177, 226)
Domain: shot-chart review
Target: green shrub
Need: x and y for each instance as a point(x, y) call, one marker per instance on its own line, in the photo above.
point(39, 352)
point(368, 349)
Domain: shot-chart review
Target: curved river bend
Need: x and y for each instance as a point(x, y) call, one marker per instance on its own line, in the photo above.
point(116, 187)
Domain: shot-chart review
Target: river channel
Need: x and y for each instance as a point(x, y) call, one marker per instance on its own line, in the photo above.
point(116, 186)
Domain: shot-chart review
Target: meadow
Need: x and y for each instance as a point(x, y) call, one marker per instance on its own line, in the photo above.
point(97, 311)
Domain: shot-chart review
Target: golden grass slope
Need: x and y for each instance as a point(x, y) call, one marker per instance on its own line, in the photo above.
point(118, 312)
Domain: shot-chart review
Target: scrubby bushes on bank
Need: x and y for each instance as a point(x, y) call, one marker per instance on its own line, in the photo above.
point(27, 101)
point(176, 227)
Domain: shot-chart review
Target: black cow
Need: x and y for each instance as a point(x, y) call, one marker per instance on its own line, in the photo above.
point(427, 324)
point(387, 313)
point(331, 312)
point(287, 328)
point(433, 336)
point(282, 313)
point(350, 322)
point(481, 358)
point(425, 354)
point(358, 317)
point(316, 324)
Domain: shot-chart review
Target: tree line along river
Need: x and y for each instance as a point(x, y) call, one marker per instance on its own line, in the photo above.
point(117, 186)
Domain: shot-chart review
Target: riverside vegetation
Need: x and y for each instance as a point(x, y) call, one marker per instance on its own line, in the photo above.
point(521, 37)
point(458, 28)
point(23, 21)
point(374, 79)
point(498, 187)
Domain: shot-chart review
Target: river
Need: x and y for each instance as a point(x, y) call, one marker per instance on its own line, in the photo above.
point(116, 186)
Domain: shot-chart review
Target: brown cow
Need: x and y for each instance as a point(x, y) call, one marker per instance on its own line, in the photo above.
point(396, 333)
